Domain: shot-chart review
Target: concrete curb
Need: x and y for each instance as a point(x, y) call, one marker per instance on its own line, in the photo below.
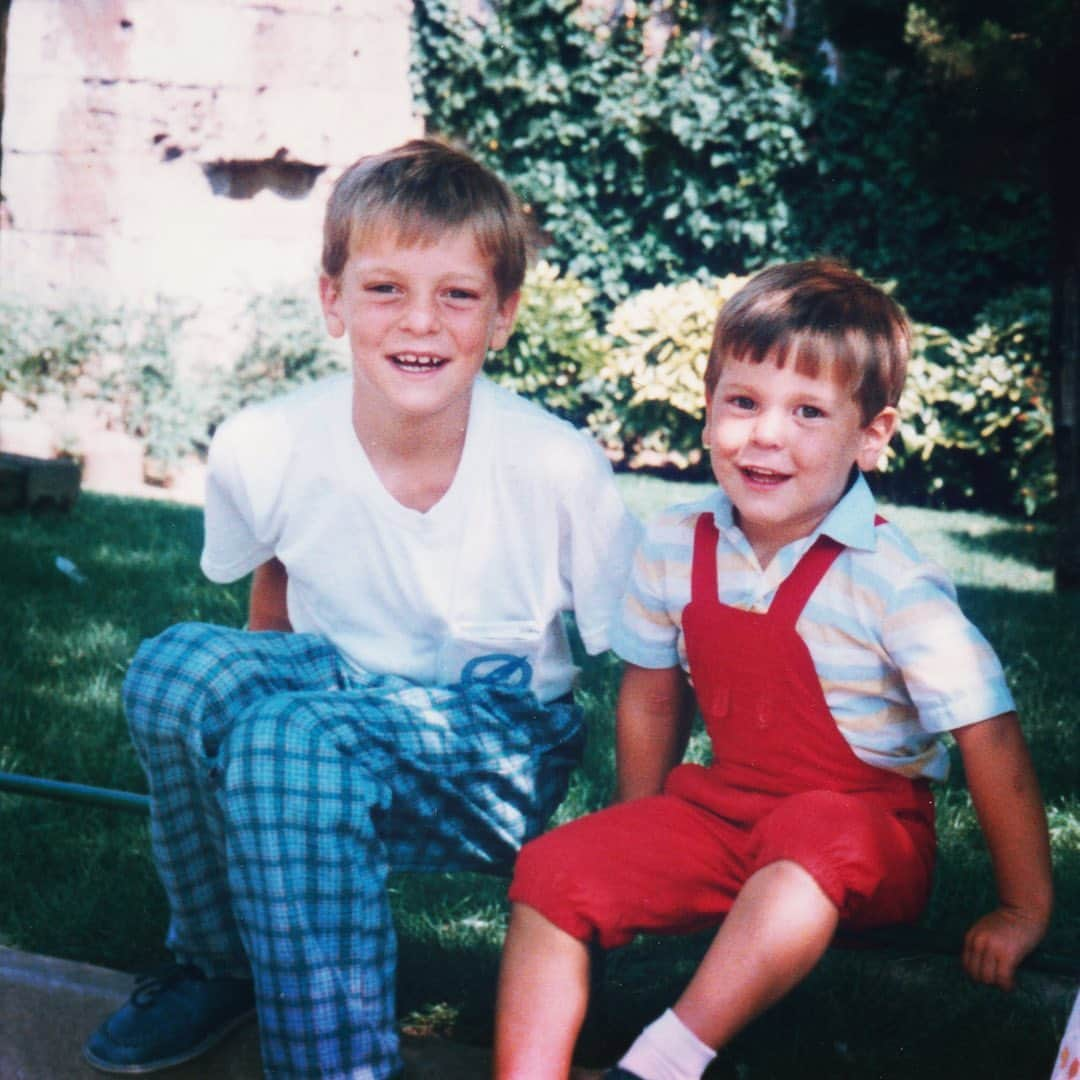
point(48, 1007)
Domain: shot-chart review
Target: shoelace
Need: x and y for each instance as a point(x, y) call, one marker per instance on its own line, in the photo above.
point(149, 985)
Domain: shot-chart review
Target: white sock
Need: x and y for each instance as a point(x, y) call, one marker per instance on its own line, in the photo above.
point(668, 1050)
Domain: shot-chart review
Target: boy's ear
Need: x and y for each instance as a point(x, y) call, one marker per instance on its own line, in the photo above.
point(875, 437)
point(330, 298)
point(503, 324)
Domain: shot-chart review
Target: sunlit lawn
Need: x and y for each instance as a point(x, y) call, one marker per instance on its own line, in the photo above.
point(78, 882)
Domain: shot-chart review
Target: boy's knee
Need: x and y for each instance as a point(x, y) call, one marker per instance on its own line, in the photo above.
point(157, 686)
point(188, 674)
point(858, 853)
point(559, 879)
point(182, 650)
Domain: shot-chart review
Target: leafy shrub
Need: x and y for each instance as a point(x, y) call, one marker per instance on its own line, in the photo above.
point(50, 349)
point(287, 345)
point(654, 390)
point(978, 429)
point(556, 350)
point(145, 393)
point(120, 359)
point(976, 424)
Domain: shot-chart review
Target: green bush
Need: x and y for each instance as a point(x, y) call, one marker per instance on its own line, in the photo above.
point(654, 400)
point(144, 389)
point(556, 351)
point(976, 426)
point(978, 429)
point(287, 345)
point(121, 359)
point(48, 349)
point(124, 360)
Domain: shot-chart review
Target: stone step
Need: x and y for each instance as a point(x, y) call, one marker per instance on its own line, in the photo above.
point(49, 1006)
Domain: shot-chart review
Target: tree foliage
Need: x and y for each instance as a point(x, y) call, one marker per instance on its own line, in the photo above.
point(642, 161)
point(907, 179)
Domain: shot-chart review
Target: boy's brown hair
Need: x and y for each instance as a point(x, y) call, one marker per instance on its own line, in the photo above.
point(823, 318)
point(419, 190)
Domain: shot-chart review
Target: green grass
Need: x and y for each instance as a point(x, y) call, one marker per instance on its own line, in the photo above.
point(78, 882)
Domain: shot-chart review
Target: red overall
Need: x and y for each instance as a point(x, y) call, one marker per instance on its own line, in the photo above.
point(784, 784)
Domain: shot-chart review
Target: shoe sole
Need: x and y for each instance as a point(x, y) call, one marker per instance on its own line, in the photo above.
point(160, 1064)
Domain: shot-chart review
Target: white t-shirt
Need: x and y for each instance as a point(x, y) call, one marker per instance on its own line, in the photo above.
point(531, 527)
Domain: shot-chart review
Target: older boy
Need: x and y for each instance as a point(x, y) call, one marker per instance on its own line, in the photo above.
point(827, 659)
point(422, 533)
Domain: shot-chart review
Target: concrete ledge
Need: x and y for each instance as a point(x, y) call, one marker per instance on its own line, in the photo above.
point(48, 1007)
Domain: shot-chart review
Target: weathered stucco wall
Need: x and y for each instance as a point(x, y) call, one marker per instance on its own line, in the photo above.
point(186, 149)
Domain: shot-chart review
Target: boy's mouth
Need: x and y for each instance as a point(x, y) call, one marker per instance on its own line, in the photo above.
point(418, 362)
point(763, 477)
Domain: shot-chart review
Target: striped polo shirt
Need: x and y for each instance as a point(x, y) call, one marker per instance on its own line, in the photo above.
point(899, 663)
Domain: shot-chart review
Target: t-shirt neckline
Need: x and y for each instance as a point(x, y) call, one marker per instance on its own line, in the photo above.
point(360, 477)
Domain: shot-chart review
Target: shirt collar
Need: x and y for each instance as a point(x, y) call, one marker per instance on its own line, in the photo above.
point(850, 522)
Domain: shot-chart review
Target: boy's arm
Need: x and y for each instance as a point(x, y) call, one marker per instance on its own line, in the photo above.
point(652, 727)
point(267, 608)
point(1005, 793)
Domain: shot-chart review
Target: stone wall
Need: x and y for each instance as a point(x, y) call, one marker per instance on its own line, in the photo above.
point(187, 148)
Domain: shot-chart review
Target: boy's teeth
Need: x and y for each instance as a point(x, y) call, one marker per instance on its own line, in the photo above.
point(417, 360)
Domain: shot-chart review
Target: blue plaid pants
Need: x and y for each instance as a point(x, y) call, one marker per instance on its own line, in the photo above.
point(284, 787)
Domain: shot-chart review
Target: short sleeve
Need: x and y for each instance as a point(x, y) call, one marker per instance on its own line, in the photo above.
point(951, 672)
point(231, 545)
point(645, 633)
point(600, 535)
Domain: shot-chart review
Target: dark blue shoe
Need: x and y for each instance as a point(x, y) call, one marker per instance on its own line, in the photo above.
point(172, 1016)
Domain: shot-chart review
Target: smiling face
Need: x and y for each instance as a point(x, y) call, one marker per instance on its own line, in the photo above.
point(419, 320)
point(783, 445)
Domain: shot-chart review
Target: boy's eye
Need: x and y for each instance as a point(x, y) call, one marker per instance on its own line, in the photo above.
point(741, 401)
point(381, 287)
point(810, 412)
point(461, 294)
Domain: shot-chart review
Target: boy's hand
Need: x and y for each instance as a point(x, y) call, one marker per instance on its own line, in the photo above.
point(1005, 794)
point(997, 944)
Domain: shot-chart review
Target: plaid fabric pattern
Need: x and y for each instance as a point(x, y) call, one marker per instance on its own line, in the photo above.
point(284, 788)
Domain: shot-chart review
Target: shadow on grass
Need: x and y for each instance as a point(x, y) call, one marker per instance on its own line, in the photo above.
point(1028, 543)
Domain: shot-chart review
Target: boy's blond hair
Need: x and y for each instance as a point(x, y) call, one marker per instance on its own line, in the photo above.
point(418, 191)
point(823, 318)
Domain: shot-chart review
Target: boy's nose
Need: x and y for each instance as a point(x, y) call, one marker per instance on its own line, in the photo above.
point(421, 315)
point(768, 428)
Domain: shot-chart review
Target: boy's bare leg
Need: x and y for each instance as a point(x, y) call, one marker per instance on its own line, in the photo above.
point(542, 997)
point(778, 928)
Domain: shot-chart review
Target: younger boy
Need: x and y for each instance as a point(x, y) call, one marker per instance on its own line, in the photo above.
point(827, 659)
point(422, 533)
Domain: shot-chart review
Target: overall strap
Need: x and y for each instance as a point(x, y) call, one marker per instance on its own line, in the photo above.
point(703, 586)
point(796, 588)
point(800, 584)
